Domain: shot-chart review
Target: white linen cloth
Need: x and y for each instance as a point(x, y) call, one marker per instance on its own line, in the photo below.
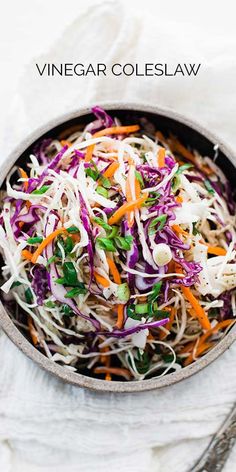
point(46, 425)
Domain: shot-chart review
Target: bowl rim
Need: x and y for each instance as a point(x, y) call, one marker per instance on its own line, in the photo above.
point(40, 359)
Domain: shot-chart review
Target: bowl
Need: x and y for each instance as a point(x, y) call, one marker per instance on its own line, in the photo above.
point(188, 132)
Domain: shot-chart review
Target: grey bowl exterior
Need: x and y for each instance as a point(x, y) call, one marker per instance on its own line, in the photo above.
point(61, 372)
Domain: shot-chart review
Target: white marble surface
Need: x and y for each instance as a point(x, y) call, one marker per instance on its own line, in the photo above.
point(204, 30)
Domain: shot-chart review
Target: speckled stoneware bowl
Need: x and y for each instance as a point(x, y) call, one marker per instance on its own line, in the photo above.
point(191, 135)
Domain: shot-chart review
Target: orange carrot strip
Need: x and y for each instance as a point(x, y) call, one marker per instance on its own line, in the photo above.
point(64, 142)
point(217, 251)
point(161, 157)
point(45, 242)
point(201, 346)
point(114, 271)
point(107, 132)
point(168, 325)
point(26, 254)
point(201, 315)
point(201, 350)
point(113, 370)
point(137, 188)
point(32, 330)
point(176, 146)
point(109, 172)
point(24, 176)
point(179, 199)
point(181, 149)
point(160, 136)
point(188, 347)
point(128, 206)
point(120, 316)
point(221, 325)
point(178, 229)
point(26, 185)
point(101, 280)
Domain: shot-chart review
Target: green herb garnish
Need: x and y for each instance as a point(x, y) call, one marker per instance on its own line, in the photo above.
point(28, 296)
point(143, 362)
point(105, 181)
point(159, 221)
point(123, 292)
point(50, 261)
point(41, 190)
point(15, 284)
point(176, 182)
point(67, 311)
point(155, 292)
point(124, 243)
point(106, 244)
point(50, 304)
point(102, 191)
point(35, 240)
point(92, 173)
point(209, 186)
point(72, 230)
point(102, 223)
point(76, 291)
point(69, 278)
point(139, 177)
point(182, 168)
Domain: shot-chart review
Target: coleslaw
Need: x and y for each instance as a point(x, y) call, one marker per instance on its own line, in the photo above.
point(119, 251)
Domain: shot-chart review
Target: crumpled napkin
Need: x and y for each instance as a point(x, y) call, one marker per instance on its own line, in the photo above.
point(46, 425)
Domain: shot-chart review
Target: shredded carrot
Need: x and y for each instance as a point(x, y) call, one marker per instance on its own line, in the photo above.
point(137, 188)
point(101, 280)
point(109, 172)
point(176, 146)
point(168, 325)
point(161, 157)
point(32, 330)
point(160, 136)
point(64, 142)
point(128, 206)
point(26, 254)
point(181, 149)
point(25, 185)
point(178, 229)
point(150, 337)
point(221, 325)
point(114, 271)
point(113, 370)
point(216, 250)
point(179, 199)
point(188, 347)
point(120, 316)
point(200, 313)
point(45, 242)
point(75, 237)
point(24, 176)
point(201, 350)
point(201, 343)
point(108, 131)
point(103, 358)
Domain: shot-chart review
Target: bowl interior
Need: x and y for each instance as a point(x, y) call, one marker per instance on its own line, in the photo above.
point(192, 137)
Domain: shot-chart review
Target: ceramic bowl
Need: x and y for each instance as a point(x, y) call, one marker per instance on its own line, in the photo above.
point(191, 134)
